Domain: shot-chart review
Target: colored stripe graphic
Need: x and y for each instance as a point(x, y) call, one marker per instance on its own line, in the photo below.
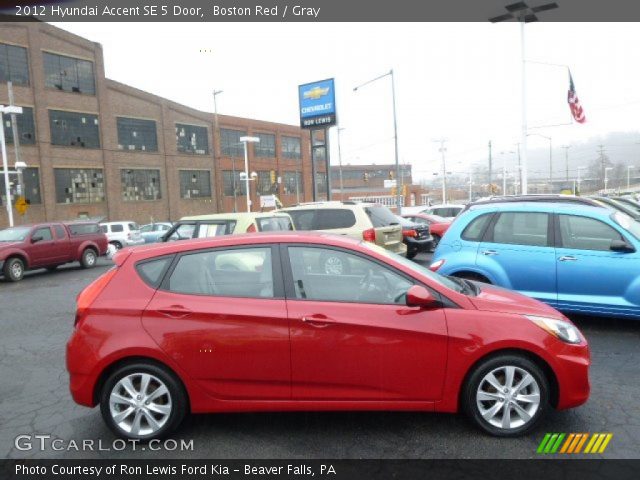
point(573, 443)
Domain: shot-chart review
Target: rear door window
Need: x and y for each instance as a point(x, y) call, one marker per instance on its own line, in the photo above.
point(274, 224)
point(381, 216)
point(59, 229)
point(152, 271)
point(245, 272)
point(522, 228)
point(303, 219)
point(330, 218)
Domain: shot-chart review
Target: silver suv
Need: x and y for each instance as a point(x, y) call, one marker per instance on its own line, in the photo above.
point(122, 234)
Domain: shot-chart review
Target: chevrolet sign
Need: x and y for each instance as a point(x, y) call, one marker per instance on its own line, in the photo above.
point(317, 104)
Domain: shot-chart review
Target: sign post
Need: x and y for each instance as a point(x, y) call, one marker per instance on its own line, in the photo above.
point(317, 106)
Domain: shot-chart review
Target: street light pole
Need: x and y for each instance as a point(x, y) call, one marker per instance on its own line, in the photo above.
point(395, 132)
point(11, 110)
point(442, 151)
point(579, 179)
point(629, 167)
point(606, 178)
point(247, 140)
point(340, 165)
point(566, 159)
point(213, 149)
point(523, 172)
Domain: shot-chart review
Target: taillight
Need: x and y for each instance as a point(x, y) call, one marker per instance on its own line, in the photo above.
point(369, 235)
point(251, 228)
point(409, 233)
point(90, 293)
point(436, 265)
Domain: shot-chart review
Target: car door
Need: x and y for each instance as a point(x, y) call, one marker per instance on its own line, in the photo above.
point(592, 277)
point(517, 251)
point(352, 335)
point(42, 248)
point(62, 245)
point(221, 315)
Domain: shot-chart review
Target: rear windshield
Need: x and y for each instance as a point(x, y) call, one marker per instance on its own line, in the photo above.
point(381, 216)
point(85, 228)
point(274, 224)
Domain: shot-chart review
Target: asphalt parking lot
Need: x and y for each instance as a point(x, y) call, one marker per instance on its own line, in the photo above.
point(36, 317)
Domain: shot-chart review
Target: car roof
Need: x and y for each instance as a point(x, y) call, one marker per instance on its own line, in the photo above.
point(235, 216)
point(330, 204)
point(117, 223)
point(261, 238)
point(547, 207)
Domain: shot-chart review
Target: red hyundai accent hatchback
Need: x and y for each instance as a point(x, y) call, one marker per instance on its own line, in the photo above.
point(254, 323)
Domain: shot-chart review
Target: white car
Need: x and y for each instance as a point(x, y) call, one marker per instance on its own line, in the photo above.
point(446, 210)
point(122, 234)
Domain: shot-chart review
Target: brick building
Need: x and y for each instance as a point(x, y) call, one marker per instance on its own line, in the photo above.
point(98, 148)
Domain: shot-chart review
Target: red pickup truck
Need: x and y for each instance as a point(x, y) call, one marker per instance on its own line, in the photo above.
point(48, 245)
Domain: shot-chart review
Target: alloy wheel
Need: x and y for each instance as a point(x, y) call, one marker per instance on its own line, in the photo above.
point(16, 270)
point(140, 404)
point(508, 397)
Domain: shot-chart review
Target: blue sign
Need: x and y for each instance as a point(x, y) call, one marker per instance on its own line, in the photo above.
point(317, 104)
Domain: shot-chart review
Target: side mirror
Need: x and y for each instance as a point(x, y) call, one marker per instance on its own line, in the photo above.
point(418, 296)
point(621, 246)
point(36, 239)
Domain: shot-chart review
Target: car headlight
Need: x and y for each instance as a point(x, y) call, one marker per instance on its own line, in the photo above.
point(558, 328)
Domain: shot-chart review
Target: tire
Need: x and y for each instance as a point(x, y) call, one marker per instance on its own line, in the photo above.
point(170, 406)
point(13, 269)
point(116, 244)
point(476, 277)
point(485, 404)
point(436, 241)
point(411, 254)
point(89, 258)
point(334, 264)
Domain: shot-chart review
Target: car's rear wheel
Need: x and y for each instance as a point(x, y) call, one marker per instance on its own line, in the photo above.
point(506, 395)
point(89, 258)
point(13, 269)
point(142, 401)
point(118, 245)
point(411, 254)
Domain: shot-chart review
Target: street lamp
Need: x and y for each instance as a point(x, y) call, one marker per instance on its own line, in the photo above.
point(629, 176)
point(504, 171)
point(442, 151)
point(10, 109)
point(579, 179)
point(606, 178)
point(247, 140)
point(395, 132)
point(213, 149)
point(339, 168)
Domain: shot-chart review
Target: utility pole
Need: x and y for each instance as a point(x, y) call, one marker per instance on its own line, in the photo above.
point(490, 168)
point(442, 151)
point(602, 164)
point(340, 165)
point(519, 172)
point(566, 159)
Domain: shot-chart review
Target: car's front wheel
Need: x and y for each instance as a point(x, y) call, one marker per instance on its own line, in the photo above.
point(142, 401)
point(506, 395)
point(13, 269)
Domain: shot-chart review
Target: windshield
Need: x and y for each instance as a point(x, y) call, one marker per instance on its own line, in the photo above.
point(629, 224)
point(16, 234)
point(416, 267)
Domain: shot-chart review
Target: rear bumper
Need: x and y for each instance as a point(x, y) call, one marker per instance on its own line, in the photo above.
point(400, 248)
point(421, 245)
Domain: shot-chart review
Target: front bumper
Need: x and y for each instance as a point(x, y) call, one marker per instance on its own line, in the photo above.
point(572, 371)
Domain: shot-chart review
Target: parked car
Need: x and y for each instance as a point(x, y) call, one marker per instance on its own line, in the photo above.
point(535, 197)
point(576, 258)
point(629, 203)
point(49, 245)
point(202, 226)
point(153, 232)
point(363, 221)
point(437, 225)
point(415, 236)
point(447, 211)
point(122, 234)
point(288, 335)
point(618, 206)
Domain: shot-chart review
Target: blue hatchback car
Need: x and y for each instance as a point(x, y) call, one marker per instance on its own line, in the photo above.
point(576, 258)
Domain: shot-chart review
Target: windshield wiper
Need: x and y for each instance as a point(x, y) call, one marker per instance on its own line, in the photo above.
point(464, 287)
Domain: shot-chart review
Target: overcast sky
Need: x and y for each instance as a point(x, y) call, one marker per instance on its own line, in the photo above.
point(460, 81)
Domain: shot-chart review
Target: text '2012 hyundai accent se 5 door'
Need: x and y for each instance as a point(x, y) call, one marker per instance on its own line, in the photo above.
point(255, 323)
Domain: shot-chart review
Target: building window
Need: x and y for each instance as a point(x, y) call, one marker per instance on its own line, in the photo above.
point(192, 139)
point(140, 185)
point(14, 65)
point(321, 182)
point(31, 183)
point(233, 183)
point(74, 129)
point(230, 145)
point(195, 183)
point(68, 74)
point(137, 134)
point(26, 127)
point(79, 185)
point(291, 147)
point(266, 147)
point(267, 182)
point(293, 184)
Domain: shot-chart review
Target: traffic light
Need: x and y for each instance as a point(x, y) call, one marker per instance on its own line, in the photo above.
point(272, 175)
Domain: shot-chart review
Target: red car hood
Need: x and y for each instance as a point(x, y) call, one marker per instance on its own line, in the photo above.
point(7, 245)
point(497, 299)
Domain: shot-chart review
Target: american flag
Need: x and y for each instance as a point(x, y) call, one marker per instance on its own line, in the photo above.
point(574, 104)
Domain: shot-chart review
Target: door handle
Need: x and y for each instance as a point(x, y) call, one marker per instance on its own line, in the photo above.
point(318, 321)
point(568, 258)
point(175, 311)
point(489, 253)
